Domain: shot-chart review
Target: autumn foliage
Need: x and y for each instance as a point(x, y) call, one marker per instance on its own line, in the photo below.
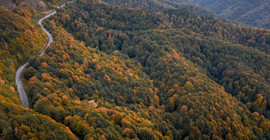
point(122, 73)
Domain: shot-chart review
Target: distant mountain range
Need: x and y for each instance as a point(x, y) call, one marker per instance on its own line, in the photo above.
point(254, 13)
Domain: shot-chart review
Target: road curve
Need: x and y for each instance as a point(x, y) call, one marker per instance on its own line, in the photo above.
point(19, 71)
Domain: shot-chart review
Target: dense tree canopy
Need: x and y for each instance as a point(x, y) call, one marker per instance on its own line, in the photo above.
point(170, 73)
point(122, 73)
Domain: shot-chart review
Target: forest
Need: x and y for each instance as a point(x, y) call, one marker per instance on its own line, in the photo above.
point(21, 39)
point(133, 71)
point(253, 13)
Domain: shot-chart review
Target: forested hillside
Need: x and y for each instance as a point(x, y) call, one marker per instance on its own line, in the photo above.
point(226, 52)
point(167, 67)
point(35, 4)
point(253, 13)
point(136, 72)
point(161, 5)
point(21, 38)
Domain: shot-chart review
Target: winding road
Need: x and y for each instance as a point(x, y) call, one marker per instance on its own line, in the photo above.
point(19, 71)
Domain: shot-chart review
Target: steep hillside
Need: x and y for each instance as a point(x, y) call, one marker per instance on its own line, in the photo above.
point(250, 41)
point(20, 39)
point(161, 5)
point(36, 4)
point(131, 73)
point(253, 13)
point(149, 70)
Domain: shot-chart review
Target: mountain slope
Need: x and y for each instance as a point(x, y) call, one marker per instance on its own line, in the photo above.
point(253, 13)
point(122, 73)
point(36, 4)
point(21, 38)
point(234, 55)
point(161, 5)
point(139, 64)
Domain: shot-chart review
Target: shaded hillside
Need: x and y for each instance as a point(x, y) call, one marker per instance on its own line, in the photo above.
point(161, 5)
point(253, 13)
